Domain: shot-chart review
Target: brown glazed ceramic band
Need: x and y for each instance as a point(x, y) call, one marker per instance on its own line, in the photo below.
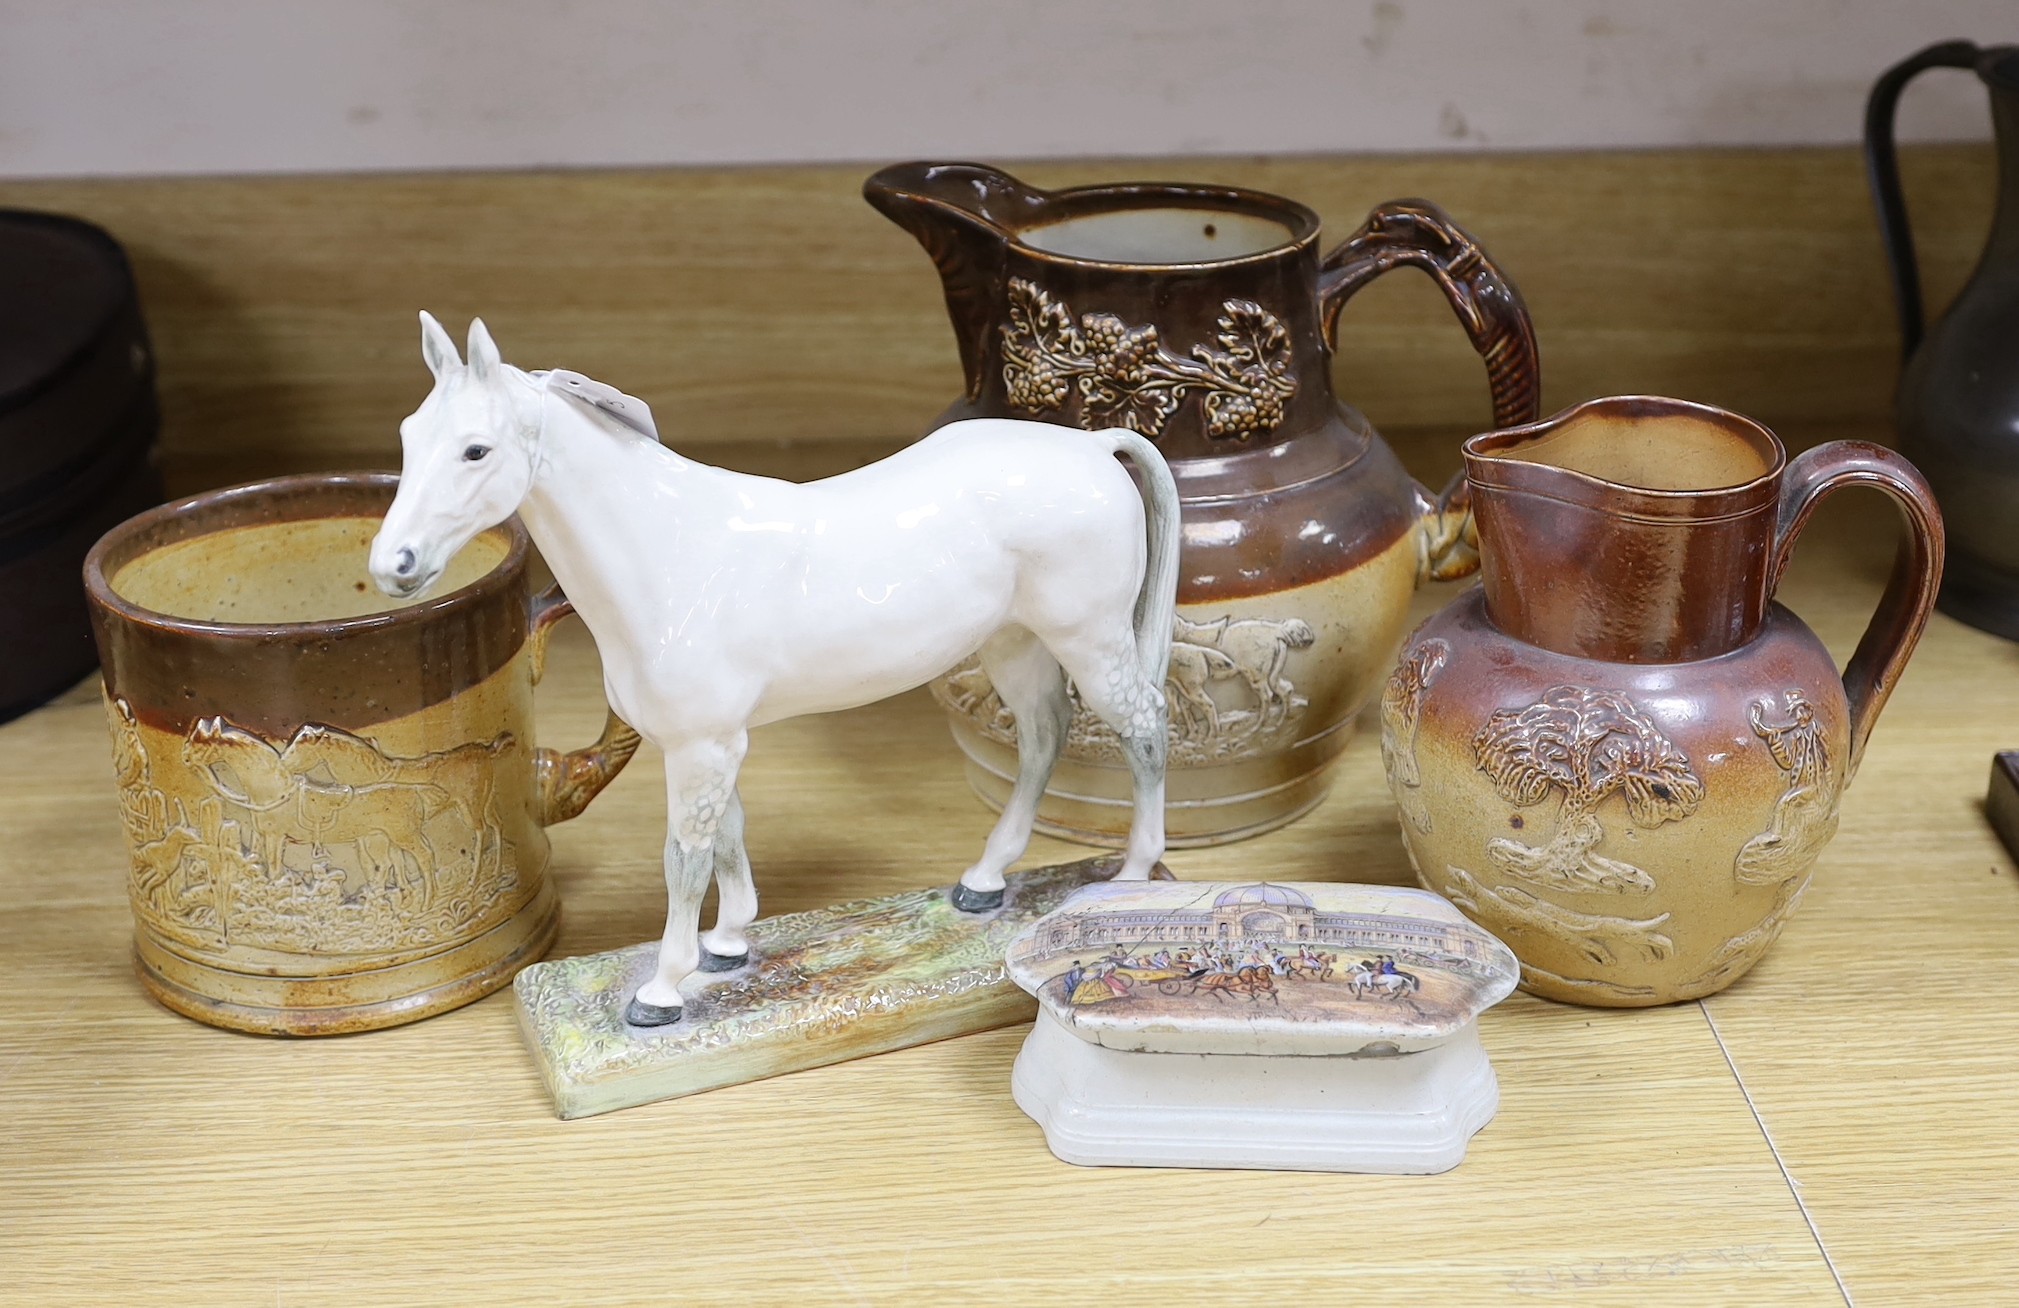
point(970, 218)
point(1547, 581)
point(1916, 578)
point(271, 678)
point(974, 221)
point(1581, 565)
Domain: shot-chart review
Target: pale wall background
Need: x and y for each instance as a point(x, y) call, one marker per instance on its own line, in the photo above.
point(92, 87)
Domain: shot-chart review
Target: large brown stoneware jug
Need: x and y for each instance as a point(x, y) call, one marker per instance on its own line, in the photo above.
point(1958, 406)
point(1617, 753)
point(1203, 317)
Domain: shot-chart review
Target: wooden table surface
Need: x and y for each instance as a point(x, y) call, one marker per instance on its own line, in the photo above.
point(1839, 1126)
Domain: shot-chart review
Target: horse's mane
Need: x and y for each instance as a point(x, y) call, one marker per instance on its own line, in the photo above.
point(622, 416)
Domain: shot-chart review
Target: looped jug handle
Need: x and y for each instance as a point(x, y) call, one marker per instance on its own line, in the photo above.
point(565, 783)
point(1418, 234)
point(1917, 569)
point(1882, 170)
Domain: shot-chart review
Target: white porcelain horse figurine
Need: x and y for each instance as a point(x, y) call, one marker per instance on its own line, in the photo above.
point(720, 602)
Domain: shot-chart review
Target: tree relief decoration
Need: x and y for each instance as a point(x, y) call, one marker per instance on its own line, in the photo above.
point(1805, 817)
point(1126, 377)
point(1260, 710)
point(322, 845)
point(1401, 706)
point(1591, 745)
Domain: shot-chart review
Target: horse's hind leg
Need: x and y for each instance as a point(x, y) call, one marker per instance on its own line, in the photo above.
point(1113, 685)
point(1032, 687)
point(727, 947)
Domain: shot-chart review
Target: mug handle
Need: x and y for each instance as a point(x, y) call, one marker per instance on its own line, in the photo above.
point(1903, 609)
point(1882, 170)
point(1419, 234)
point(565, 783)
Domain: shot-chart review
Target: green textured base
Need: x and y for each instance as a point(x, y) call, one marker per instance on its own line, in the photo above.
point(822, 986)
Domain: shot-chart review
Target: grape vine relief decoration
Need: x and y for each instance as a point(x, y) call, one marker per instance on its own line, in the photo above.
point(1126, 378)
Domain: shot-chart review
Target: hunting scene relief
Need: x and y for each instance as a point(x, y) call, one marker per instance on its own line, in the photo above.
point(323, 844)
point(1228, 688)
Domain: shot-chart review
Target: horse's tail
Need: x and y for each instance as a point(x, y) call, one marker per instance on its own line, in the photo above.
point(1157, 601)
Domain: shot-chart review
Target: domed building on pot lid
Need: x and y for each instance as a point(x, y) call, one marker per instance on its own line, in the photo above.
point(1128, 917)
point(1263, 894)
point(1263, 912)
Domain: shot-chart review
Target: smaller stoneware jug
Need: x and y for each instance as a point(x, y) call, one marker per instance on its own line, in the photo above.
point(1958, 405)
point(1202, 317)
point(1618, 753)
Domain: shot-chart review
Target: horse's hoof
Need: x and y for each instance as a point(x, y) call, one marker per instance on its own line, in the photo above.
point(640, 1013)
point(714, 962)
point(974, 901)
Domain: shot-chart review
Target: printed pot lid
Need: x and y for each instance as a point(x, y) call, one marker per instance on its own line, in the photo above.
point(1261, 967)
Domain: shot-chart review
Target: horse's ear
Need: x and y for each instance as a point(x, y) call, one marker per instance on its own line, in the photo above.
point(436, 348)
point(482, 351)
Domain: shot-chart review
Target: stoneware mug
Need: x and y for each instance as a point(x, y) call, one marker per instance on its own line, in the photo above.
point(334, 804)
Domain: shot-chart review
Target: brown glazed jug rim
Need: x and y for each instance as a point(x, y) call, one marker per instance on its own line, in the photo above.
point(198, 515)
point(1123, 197)
point(1487, 465)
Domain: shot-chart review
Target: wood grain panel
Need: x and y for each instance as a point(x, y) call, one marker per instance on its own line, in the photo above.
point(767, 304)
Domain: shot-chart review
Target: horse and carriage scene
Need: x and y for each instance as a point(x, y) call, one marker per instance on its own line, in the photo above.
point(1256, 974)
point(1317, 952)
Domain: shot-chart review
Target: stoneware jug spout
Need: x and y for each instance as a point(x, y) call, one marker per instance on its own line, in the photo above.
point(963, 214)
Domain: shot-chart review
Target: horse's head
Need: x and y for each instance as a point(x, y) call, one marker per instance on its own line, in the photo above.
point(466, 460)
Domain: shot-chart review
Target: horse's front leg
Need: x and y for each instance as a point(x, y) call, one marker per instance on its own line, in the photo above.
point(700, 784)
point(727, 947)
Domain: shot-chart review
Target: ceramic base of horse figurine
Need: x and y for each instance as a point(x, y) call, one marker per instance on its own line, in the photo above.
point(818, 987)
point(1311, 1027)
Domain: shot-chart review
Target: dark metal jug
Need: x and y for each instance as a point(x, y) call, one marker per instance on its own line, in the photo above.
point(1958, 405)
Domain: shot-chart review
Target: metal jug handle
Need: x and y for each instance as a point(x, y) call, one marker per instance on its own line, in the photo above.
point(1882, 170)
point(1419, 234)
point(1902, 614)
